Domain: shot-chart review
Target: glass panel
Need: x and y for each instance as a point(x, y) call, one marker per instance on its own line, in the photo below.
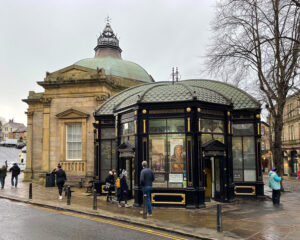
point(243, 129)
point(219, 137)
point(113, 155)
point(205, 125)
point(238, 175)
point(250, 175)
point(106, 154)
point(237, 153)
point(217, 175)
point(205, 138)
point(73, 141)
point(157, 153)
point(218, 126)
point(175, 125)
point(127, 128)
point(249, 152)
point(157, 125)
point(107, 133)
point(104, 174)
point(177, 153)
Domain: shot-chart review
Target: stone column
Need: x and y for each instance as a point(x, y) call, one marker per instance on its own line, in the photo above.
point(46, 137)
point(29, 171)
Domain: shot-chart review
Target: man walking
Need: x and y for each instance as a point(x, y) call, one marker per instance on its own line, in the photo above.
point(60, 179)
point(274, 184)
point(15, 171)
point(3, 171)
point(146, 179)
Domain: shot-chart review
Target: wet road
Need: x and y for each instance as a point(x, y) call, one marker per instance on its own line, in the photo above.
point(10, 154)
point(20, 221)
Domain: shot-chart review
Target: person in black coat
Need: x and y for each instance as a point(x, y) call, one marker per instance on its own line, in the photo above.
point(15, 171)
point(123, 189)
point(60, 179)
point(109, 185)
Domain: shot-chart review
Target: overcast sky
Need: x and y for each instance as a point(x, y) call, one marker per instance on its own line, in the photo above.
point(38, 36)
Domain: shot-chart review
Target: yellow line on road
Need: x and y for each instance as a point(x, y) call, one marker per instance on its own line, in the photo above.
point(149, 231)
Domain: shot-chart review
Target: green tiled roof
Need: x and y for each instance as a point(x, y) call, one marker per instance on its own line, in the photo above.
point(117, 67)
point(187, 90)
point(240, 99)
point(202, 90)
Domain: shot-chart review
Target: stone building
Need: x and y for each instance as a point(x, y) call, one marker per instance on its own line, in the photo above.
point(60, 123)
point(9, 128)
point(291, 135)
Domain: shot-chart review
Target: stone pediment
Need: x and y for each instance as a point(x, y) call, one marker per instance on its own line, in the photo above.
point(74, 72)
point(213, 145)
point(72, 114)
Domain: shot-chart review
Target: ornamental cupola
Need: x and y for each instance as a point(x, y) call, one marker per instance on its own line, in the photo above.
point(108, 43)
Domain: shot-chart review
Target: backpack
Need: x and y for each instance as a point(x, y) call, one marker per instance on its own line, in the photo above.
point(118, 184)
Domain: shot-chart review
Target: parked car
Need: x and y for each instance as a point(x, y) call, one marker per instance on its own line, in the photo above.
point(24, 149)
point(20, 145)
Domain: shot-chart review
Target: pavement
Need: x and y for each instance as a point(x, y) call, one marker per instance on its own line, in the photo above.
point(245, 218)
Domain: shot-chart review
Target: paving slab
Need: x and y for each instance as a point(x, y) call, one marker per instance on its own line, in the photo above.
point(243, 219)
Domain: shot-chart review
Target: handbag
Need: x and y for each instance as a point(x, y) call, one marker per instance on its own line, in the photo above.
point(107, 186)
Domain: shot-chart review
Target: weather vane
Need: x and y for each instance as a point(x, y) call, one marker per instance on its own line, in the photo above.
point(108, 19)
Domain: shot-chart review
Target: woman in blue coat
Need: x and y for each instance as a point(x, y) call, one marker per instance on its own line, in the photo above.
point(274, 184)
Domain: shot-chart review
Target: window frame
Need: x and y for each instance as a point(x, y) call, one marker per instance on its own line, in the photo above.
point(67, 125)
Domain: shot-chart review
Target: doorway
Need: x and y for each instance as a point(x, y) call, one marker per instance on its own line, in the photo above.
point(213, 177)
point(127, 163)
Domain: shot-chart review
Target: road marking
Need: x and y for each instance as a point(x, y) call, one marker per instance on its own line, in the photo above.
point(139, 229)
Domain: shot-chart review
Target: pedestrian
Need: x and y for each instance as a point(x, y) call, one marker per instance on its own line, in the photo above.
point(15, 171)
point(146, 180)
point(60, 179)
point(109, 185)
point(274, 184)
point(3, 172)
point(123, 189)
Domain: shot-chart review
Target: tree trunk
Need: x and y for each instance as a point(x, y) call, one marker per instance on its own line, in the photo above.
point(277, 144)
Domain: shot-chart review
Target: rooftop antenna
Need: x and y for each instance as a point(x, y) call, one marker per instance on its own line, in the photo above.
point(177, 74)
point(173, 75)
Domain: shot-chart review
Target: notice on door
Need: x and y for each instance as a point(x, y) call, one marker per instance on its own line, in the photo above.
point(175, 178)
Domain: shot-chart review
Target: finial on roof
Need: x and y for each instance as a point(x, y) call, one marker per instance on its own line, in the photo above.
point(108, 43)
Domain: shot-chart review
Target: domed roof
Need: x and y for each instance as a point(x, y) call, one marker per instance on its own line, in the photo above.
point(117, 67)
point(187, 90)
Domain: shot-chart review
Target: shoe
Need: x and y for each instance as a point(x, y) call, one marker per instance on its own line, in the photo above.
point(126, 205)
point(119, 205)
point(149, 215)
point(142, 212)
point(60, 197)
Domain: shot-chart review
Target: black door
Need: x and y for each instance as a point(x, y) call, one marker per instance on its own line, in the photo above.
point(219, 178)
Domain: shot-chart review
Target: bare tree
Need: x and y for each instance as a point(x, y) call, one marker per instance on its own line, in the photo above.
point(260, 38)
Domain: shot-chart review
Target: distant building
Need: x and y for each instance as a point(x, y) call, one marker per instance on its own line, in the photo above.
point(20, 134)
point(0, 130)
point(9, 128)
point(290, 135)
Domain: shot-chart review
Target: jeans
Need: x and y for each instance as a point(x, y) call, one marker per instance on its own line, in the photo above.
point(147, 190)
point(12, 180)
point(2, 180)
point(276, 196)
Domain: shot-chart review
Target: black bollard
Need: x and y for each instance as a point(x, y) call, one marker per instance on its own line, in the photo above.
point(219, 218)
point(95, 200)
point(68, 195)
point(145, 206)
point(30, 190)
